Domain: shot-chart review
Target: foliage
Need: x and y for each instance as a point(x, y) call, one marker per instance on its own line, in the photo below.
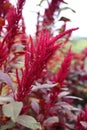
point(33, 94)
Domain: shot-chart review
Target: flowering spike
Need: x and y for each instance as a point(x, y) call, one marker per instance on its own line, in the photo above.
point(32, 48)
point(36, 59)
point(20, 5)
point(62, 34)
point(62, 73)
point(49, 12)
point(81, 123)
point(15, 23)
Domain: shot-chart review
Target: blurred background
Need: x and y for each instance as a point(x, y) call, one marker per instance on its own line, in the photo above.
point(77, 18)
point(76, 13)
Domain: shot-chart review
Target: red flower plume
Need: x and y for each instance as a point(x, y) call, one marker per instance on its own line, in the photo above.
point(63, 72)
point(81, 123)
point(36, 58)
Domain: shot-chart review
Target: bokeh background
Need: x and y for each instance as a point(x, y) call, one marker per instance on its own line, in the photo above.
point(78, 19)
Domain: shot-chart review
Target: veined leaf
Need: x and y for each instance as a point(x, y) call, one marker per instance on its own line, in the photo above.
point(9, 125)
point(12, 110)
point(29, 122)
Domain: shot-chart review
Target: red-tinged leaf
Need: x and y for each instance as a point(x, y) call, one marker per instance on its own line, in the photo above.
point(70, 115)
point(50, 121)
point(64, 19)
point(73, 97)
point(35, 106)
point(67, 106)
point(63, 94)
point(4, 77)
point(43, 86)
point(70, 126)
point(84, 124)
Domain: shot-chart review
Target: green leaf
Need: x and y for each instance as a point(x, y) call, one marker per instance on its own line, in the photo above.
point(28, 121)
point(12, 109)
point(9, 125)
point(65, 8)
point(40, 2)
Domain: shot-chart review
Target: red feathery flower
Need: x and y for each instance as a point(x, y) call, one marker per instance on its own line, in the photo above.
point(20, 5)
point(62, 73)
point(13, 18)
point(14, 15)
point(81, 120)
point(4, 7)
point(36, 58)
point(48, 17)
point(49, 12)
